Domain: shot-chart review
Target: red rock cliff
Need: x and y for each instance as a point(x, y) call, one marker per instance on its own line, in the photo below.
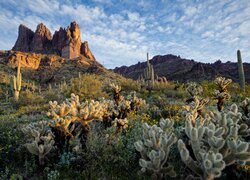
point(65, 42)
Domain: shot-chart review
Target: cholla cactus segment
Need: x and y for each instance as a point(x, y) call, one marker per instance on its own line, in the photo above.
point(155, 147)
point(121, 124)
point(194, 89)
point(40, 139)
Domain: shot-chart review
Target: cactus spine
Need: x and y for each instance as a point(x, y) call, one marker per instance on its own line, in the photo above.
point(241, 71)
point(17, 82)
point(149, 75)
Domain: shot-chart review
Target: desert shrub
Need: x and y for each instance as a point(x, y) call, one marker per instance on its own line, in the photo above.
point(27, 98)
point(129, 84)
point(87, 87)
point(110, 155)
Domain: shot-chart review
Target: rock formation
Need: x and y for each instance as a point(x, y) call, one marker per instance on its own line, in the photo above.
point(41, 40)
point(86, 51)
point(65, 42)
point(29, 60)
point(25, 36)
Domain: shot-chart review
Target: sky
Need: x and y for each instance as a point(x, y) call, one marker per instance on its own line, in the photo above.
point(121, 32)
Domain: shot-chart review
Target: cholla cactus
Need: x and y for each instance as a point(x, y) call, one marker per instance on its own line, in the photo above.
point(121, 110)
point(136, 102)
point(195, 108)
point(71, 110)
point(221, 94)
point(194, 90)
point(211, 166)
point(155, 147)
point(40, 139)
point(219, 138)
point(117, 93)
point(245, 105)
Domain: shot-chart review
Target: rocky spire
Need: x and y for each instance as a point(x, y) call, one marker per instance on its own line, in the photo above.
point(86, 51)
point(25, 36)
point(42, 39)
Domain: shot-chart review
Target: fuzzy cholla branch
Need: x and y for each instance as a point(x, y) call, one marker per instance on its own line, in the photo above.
point(121, 124)
point(221, 94)
point(155, 148)
point(40, 139)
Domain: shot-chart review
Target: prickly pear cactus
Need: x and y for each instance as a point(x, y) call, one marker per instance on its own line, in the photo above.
point(155, 147)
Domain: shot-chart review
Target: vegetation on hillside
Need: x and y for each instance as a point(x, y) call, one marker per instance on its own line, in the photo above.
point(105, 126)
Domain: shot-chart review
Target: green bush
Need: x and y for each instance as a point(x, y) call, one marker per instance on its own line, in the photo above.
point(87, 87)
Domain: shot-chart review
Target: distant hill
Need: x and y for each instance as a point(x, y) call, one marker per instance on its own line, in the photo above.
point(182, 70)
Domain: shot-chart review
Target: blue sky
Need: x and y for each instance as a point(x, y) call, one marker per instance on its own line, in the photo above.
point(121, 32)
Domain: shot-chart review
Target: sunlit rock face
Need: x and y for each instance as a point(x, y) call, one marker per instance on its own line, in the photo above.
point(65, 42)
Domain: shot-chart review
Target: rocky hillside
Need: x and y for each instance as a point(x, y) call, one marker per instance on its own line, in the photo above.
point(179, 69)
point(46, 68)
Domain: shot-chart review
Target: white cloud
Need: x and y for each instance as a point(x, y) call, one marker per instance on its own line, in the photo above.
point(200, 30)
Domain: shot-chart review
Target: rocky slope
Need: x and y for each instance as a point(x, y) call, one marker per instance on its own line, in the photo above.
point(65, 42)
point(46, 68)
point(179, 69)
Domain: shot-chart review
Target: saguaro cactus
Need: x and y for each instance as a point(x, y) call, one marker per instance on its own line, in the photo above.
point(149, 75)
point(17, 82)
point(241, 71)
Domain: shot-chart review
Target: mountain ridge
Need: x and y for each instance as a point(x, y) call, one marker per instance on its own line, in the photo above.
point(180, 69)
